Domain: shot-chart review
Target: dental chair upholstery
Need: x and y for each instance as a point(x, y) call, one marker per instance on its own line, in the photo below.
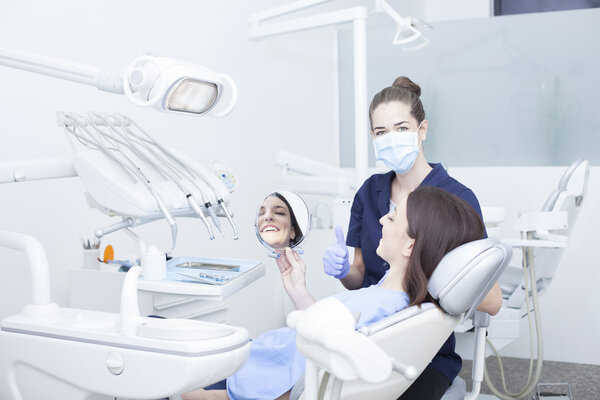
point(412, 336)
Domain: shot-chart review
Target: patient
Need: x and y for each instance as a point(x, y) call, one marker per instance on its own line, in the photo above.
point(277, 224)
point(415, 237)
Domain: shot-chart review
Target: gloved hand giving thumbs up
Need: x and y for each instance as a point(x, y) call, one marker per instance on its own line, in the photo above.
point(335, 259)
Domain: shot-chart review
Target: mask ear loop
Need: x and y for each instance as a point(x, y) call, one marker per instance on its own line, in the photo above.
point(418, 138)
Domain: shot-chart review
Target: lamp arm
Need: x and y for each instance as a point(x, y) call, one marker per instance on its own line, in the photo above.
point(382, 5)
point(103, 79)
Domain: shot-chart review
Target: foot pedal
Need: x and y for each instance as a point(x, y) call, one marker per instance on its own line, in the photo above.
point(554, 391)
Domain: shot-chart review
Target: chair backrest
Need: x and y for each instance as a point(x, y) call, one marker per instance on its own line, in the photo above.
point(414, 335)
point(574, 181)
point(567, 197)
point(466, 274)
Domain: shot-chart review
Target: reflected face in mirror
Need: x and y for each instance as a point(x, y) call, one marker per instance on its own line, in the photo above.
point(276, 223)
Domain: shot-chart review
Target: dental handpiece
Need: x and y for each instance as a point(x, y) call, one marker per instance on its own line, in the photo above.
point(211, 182)
point(170, 172)
point(213, 216)
point(168, 217)
point(133, 170)
point(196, 207)
point(228, 215)
point(187, 173)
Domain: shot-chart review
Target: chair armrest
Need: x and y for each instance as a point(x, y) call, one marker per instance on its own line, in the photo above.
point(542, 221)
point(395, 318)
point(535, 243)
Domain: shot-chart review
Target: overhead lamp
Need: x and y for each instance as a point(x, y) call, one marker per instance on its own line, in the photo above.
point(409, 29)
point(162, 83)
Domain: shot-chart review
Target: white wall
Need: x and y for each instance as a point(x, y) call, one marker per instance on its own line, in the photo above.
point(286, 101)
point(569, 307)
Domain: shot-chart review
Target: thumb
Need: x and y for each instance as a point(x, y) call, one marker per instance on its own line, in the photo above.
point(339, 234)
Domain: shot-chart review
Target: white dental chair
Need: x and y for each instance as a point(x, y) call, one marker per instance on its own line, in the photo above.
point(537, 256)
point(361, 364)
point(548, 233)
point(49, 352)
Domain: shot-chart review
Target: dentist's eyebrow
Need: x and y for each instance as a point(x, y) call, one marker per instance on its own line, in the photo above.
point(396, 124)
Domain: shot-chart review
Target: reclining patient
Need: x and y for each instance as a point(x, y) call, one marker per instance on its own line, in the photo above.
point(415, 237)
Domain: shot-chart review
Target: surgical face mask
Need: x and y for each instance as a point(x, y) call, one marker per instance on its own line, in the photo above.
point(398, 150)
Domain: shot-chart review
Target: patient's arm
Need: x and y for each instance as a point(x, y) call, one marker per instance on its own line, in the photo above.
point(354, 279)
point(293, 275)
point(492, 302)
point(201, 394)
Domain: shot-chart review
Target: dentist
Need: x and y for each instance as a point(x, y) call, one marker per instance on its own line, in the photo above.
point(398, 129)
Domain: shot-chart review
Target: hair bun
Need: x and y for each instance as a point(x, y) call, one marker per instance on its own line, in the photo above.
point(405, 83)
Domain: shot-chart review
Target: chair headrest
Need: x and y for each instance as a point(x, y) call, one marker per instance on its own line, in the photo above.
point(466, 274)
point(577, 173)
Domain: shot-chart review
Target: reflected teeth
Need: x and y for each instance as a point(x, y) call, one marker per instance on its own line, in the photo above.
point(270, 229)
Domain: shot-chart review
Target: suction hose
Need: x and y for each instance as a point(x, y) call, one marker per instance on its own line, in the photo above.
point(530, 385)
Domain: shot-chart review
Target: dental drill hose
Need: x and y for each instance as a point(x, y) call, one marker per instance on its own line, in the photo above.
point(530, 385)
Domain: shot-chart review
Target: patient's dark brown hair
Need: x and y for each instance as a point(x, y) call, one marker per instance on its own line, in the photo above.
point(438, 222)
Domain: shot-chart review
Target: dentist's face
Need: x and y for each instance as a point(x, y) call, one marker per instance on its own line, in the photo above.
point(275, 223)
point(395, 245)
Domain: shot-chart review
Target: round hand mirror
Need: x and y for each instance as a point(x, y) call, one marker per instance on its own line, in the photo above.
point(282, 220)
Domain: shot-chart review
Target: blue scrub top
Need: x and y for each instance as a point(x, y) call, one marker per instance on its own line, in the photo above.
point(371, 202)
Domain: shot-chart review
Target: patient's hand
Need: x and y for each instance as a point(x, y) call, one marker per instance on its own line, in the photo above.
point(492, 302)
point(292, 268)
point(293, 275)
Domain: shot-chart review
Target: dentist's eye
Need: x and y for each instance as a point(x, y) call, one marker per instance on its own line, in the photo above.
point(379, 133)
point(402, 129)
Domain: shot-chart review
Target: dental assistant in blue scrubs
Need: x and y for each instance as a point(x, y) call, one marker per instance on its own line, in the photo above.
point(398, 129)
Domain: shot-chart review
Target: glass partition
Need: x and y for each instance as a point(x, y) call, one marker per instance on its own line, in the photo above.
point(513, 90)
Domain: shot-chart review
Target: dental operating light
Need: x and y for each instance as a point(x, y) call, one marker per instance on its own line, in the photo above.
point(165, 84)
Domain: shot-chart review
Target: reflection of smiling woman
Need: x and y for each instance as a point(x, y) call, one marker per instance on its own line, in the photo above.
point(277, 223)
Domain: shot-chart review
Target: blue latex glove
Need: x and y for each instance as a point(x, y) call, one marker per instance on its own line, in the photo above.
point(335, 259)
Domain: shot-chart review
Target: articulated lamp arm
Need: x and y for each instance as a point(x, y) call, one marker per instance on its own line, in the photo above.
point(165, 84)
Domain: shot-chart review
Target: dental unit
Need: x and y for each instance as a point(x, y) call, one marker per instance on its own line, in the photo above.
point(544, 237)
point(74, 354)
point(165, 84)
point(127, 173)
